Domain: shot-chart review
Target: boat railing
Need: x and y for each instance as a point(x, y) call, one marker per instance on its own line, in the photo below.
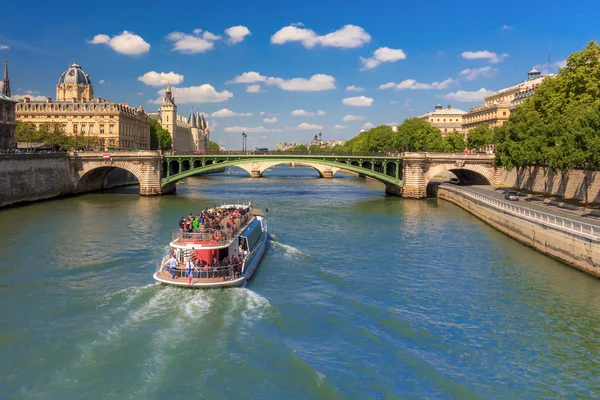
point(227, 272)
point(218, 236)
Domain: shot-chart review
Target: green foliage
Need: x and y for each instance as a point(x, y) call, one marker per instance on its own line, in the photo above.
point(480, 137)
point(300, 148)
point(213, 146)
point(52, 134)
point(159, 135)
point(558, 127)
point(416, 134)
point(454, 142)
point(314, 148)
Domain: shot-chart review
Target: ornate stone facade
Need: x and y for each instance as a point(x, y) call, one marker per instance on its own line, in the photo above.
point(187, 134)
point(446, 119)
point(77, 112)
point(7, 123)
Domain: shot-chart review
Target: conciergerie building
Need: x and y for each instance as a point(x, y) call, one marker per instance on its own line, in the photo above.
point(77, 112)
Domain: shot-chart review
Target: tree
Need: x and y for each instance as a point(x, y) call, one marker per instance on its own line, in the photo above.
point(300, 148)
point(213, 147)
point(479, 138)
point(415, 134)
point(159, 135)
point(455, 142)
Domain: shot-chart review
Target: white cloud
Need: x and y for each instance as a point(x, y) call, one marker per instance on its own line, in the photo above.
point(4, 47)
point(224, 112)
point(196, 94)
point(347, 37)
point(305, 125)
point(382, 55)
point(484, 54)
point(315, 83)
point(414, 85)
point(393, 102)
point(360, 101)
point(101, 81)
point(506, 27)
point(154, 78)
point(302, 113)
point(393, 123)
point(257, 129)
point(262, 113)
point(126, 43)
point(32, 98)
point(237, 33)
point(558, 65)
point(353, 88)
point(198, 42)
point(471, 74)
point(254, 89)
point(367, 125)
point(339, 127)
point(270, 120)
point(468, 97)
point(352, 118)
point(140, 93)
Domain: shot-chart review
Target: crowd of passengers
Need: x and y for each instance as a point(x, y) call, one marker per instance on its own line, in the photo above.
point(213, 219)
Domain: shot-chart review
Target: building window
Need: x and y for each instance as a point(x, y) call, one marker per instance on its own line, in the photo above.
point(91, 129)
point(64, 128)
point(111, 128)
point(74, 128)
point(167, 118)
point(82, 129)
point(101, 129)
point(503, 112)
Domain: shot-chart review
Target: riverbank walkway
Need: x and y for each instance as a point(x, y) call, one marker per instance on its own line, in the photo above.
point(541, 204)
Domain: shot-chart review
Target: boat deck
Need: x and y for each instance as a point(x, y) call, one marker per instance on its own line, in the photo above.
point(206, 237)
point(206, 277)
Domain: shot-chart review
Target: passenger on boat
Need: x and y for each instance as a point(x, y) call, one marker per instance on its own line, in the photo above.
point(189, 270)
point(172, 265)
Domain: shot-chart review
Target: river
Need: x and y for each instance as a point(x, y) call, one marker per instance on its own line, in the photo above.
point(358, 296)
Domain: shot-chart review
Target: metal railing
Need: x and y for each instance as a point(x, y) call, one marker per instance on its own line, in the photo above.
point(226, 272)
point(560, 223)
point(223, 236)
point(280, 153)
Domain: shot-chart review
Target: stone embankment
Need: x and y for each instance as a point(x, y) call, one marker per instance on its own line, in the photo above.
point(33, 177)
point(573, 242)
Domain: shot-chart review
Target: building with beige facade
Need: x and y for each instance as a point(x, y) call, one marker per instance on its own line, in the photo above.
point(78, 113)
point(498, 105)
point(446, 119)
point(187, 134)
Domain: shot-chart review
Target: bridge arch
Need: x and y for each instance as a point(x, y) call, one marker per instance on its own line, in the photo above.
point(466, 173)
point(257, 168)
point(100, 175)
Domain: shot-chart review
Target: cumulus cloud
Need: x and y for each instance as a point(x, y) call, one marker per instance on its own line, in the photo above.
point(30, 94)
point(237, 34)
point(127, 43)
point(262, 113)
point(558, 65)
point(382, 55)
point(471, 74)
point(347, 37)
point(353, 88)
point(414, 85)
point(198, 42)
point(339, 127)
point(484, 54)
point(352, 118)
point(367, 125)
point(506, 27)
point(305, 125)
point(468, 97)
point(360, 101)
point(101, 81)
point(4, 47)
point(315, 83)
point(257, 129)
point(154, 78)
point(302, 113)
point(270, 120)
point(254, 89)
point(224, 112)
point(196, 94)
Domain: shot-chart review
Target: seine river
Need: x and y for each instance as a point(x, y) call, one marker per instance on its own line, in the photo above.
point(359, 296)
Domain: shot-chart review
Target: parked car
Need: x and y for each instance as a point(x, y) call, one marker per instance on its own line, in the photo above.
point(511, 195)
point(454, 181)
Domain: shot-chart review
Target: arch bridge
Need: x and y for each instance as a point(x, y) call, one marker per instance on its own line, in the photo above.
point(405, 174)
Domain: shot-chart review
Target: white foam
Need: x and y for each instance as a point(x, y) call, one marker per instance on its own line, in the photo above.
point(289, 249)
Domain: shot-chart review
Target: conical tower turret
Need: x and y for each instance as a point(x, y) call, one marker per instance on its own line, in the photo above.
point(6, 82)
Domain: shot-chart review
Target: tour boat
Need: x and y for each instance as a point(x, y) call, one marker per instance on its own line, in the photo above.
point(214, 258)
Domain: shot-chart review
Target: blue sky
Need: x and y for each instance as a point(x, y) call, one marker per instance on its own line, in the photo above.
point(293, 55)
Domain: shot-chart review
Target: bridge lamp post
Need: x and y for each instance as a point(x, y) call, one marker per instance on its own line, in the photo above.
point(244, 136)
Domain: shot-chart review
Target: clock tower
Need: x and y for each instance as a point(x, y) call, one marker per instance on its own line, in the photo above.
point(74, 84)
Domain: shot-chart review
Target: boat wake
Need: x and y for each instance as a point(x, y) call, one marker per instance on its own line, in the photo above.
point(290, 251)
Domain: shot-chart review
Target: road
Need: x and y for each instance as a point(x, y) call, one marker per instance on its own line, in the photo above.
point(576, 215)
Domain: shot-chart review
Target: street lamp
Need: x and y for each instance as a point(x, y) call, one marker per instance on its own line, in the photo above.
point(244, 142)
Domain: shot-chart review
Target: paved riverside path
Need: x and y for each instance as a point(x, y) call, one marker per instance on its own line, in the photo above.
point(575, 215)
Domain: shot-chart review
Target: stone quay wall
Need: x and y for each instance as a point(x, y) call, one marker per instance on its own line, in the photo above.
point(573, 184)
point(574, 243)
point(33, 177)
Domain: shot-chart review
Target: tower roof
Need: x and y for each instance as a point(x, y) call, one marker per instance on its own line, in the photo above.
point(74, 74)
point(6, 82)
point(192, 120)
